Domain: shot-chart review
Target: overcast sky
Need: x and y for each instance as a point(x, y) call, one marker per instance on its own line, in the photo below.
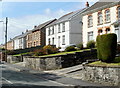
point(24, 15)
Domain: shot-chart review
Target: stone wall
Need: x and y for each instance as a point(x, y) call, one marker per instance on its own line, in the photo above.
point(102, 74)
point(59, 61)
point(42, 63)
point(14, 59)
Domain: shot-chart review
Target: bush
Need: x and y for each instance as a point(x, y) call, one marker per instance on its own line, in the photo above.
point(118, 48)
point(106, 47)
point(50, 49)
point(117, 60)
point(80, 46)
point(70, 48)
point(39, 52)
point(91, 44)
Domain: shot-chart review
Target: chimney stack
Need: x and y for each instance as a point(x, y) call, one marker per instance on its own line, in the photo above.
point(22, 32)
point(27, 30)
point(35, 26)
point(87, 4)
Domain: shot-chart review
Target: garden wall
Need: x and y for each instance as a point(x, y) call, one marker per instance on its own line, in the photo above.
point(58, 61)
point(102, 74)
point(14, 59)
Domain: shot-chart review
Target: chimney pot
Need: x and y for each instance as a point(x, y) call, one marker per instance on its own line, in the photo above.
point(87, 4)
point(35, 26)
point(27, 30)
point(22, 32)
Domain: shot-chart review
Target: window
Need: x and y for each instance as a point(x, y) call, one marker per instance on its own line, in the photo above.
point(48, 31)
point(63, 40)
point(49, 41)
point(53, 30)
point(107, 15)
point(90, 36)
point(118, 12)
point(100, 32)
point(117, 31)
point(107, 30)
point(63, 27)
point(58, 28)
point(58, 41)
point(52, 41)
point(90, 21)
point(34, 44)
point(37, 43)
point(100, 18)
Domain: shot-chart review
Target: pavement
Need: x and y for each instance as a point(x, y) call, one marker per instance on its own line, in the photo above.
point(71, 75)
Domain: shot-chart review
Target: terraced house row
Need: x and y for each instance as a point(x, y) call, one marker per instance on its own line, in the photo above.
point(75, 27)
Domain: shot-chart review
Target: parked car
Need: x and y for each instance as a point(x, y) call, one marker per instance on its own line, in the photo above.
point(63, 49)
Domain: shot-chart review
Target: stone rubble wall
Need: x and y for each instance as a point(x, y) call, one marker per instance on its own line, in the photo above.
point(102, 74)
point(54, 62)
point(14, 59)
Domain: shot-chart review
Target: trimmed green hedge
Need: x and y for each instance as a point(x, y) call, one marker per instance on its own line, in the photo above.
point(91, 44)
point(70, 48)
point(106, 47)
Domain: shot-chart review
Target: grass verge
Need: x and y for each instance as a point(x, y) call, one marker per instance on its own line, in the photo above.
point(99, 63)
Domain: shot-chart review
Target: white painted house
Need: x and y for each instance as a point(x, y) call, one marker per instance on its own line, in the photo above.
point(66, 30)
point(101, 18)
point(20, 41)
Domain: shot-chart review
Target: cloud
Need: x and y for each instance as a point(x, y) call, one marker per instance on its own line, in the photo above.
point(47, 11)
point(18, 25)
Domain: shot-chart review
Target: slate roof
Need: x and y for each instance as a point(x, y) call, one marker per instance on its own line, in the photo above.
point(43, 25)
point(22, 35)
point(68, 16)
point(101, 4)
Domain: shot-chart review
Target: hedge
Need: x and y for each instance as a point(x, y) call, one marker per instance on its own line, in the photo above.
point(106, 47)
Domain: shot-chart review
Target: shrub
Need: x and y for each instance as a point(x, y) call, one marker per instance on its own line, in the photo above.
point(50, 49)
point(70, 48)
point(118, 48)
point(117, 60)
point(106, 47)
point(38, 52)
point(80, 46)
point(91, 44)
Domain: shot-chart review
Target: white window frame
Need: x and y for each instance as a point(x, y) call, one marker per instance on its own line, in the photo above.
point(90, 34)
point(53, 40)
point(100, 18)
point(107, 15)
point(90, 21)
point(118, 31)
point(118, 12)
point(63, 40)
point(59, 28)
point(63, 27)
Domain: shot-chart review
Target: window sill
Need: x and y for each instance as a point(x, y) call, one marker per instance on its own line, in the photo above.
point(107, 22)
point(90, 26)
point(100, 24)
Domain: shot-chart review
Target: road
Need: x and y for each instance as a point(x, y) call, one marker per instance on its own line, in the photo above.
point(12, 78)
point(38, 79)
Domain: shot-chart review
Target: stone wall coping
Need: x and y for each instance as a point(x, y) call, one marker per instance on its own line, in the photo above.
point(87, 65)
point(45, 56)
point(53, 56)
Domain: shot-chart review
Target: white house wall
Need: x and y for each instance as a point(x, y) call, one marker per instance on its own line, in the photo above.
point(56, 34)
point(95, 26)
point(16, 44)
